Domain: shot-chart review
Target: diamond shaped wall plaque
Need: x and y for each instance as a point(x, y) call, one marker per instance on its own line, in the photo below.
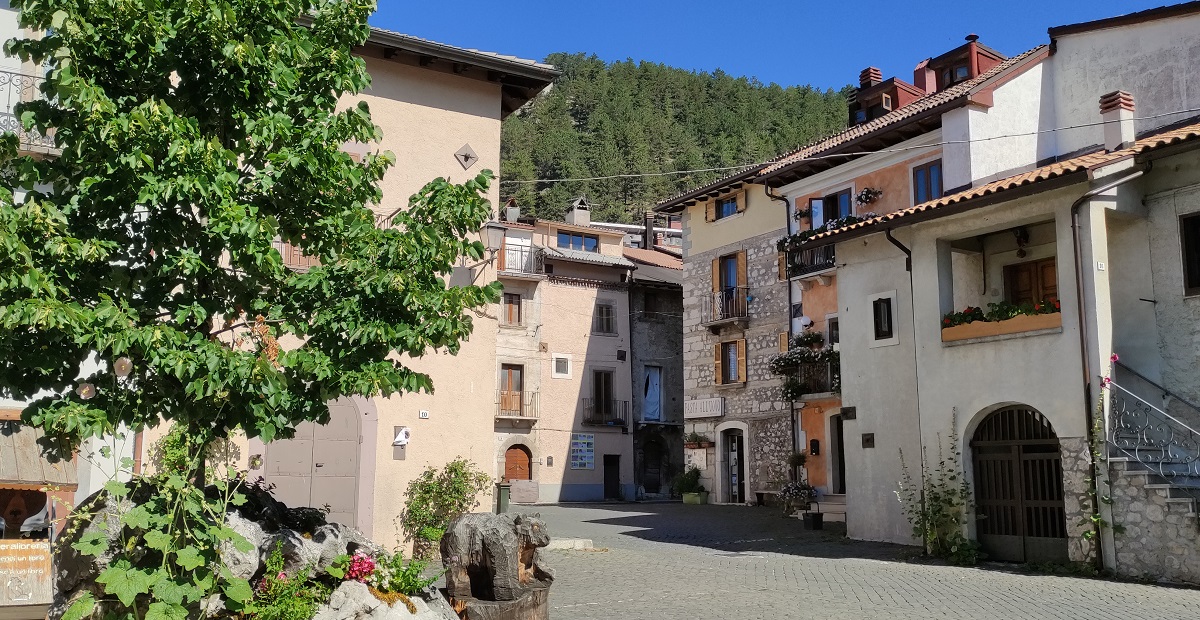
point(466, 156)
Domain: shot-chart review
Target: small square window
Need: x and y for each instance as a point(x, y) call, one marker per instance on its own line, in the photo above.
point(726, 207)
point(797, 310)
point(560, 366)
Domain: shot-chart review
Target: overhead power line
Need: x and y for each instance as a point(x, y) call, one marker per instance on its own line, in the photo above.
point(637, 175)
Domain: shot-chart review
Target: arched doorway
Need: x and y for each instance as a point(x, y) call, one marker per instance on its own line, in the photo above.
point(734, 446)
point(1019, 487)
point(518, 463)
point(319, 466)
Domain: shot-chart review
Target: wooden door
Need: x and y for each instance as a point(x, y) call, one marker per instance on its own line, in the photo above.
point(1032, 282)
point(512, 386)
point(1019, 488)
point(518, 464)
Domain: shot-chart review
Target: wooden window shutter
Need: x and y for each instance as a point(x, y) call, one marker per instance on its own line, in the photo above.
point(783, 342)
point(718, 376)
point(716, 274)
point(741, 352)
point(710, 211)
point(782, 266)
point(741, 268)
point(741, 202)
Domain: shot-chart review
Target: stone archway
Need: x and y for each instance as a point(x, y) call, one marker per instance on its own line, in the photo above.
point(1018, 476)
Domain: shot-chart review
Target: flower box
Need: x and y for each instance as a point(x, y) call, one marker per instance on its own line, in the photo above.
point(1015, 325)
point(691, 445)
point(696, 499)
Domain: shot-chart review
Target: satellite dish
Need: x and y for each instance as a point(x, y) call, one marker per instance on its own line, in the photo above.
point(805, 322)
point(402, 437)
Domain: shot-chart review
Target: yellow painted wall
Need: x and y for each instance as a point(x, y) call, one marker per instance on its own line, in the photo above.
point(762, 215)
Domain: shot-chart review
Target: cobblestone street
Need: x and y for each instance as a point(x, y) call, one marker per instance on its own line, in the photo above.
point(673, 561)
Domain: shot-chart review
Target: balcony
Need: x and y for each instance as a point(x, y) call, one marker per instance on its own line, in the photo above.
point(18, 88)
point(521, 262)
point(517, 407)
point(811, 262)
point(819, 378)
point(606, 412)
point(725, 306)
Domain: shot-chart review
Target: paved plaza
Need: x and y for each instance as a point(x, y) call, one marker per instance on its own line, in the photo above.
point(666, 561)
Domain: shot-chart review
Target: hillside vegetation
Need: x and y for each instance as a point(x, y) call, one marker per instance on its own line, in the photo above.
point(628, 117)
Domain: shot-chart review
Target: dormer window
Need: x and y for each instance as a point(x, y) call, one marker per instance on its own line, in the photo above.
point(954, 75)
point(886, 102)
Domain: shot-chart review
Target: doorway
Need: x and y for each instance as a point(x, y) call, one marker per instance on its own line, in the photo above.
point(512, 387)
point(837, 481)
point(1019, 487)
point(652, 464)
point(735, 466)
point(652, 403)
point(518, 463)
point(319, 466)
point(612, 476)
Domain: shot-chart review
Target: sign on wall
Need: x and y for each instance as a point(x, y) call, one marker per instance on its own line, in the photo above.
point(25, 573)
point(583, 451)
point(704, 408)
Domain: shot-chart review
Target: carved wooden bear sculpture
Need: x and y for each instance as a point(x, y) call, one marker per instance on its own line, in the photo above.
point(493, 570)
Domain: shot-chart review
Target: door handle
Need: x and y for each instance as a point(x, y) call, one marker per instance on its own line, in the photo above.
point(320, 464)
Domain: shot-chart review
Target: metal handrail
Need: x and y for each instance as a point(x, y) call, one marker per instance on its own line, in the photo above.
point(1150, 436)
point(605, 412)
point(731, 303)
point(522, 259)
point(1156, 386)
point(811, 260)
point(18, 88)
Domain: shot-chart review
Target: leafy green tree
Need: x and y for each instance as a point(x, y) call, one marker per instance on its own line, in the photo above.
point(193, 136)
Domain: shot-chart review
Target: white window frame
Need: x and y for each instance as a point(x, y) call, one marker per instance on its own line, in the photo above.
point(886, 342)
point(554, 357)
point(836, 346)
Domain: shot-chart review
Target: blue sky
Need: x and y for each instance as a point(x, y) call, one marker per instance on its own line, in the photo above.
point(789, 42)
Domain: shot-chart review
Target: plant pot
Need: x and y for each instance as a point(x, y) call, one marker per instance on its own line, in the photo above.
point(696, 498)
point(1015, 325)
point(706, 444)
point(814, 521)
point(691, 445)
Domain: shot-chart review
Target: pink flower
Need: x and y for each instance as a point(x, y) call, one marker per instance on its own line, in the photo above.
point(282, 576)
point(1105, 382)
point(1114, 357)
point(361, 567)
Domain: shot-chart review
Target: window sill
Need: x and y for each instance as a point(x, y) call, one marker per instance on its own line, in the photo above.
point(607, 334)
point(513, 327)
point(730, 386)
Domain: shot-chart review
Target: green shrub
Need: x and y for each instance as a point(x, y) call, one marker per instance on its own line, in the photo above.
point(688, 481)
point(280, 596)
point(437, 497)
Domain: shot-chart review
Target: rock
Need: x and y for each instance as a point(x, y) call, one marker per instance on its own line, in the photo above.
point(336, 539)
point(244, 564)
point(493, 567)
point(350, 601)
point(299, 553)
point(72, 567)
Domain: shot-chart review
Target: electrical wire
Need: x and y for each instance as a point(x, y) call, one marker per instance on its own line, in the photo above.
point(638, 175)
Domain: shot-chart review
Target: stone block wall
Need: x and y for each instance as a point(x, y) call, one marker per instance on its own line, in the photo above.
point(1077, 500)
point(758, 402)
point(1161, 538)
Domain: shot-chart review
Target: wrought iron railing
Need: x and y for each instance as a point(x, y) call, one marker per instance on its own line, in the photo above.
point(814, 260)
point(18, 88)
point(605, 412)
point(516, 404)
point(522, 259)
point(819, 378)
point(726, 304)
point(1156, 440)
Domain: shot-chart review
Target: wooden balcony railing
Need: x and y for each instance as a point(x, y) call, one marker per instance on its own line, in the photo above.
point(512, 404)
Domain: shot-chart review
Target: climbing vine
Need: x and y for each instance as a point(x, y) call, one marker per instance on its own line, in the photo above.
point(938, 505)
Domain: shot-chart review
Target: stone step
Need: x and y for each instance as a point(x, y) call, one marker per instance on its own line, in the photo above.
point(833, 498)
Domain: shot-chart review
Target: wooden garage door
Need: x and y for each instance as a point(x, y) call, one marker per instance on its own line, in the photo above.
point(319, 467)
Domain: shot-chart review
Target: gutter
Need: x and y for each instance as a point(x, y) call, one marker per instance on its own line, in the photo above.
point(1083, 335)
point(787, 210)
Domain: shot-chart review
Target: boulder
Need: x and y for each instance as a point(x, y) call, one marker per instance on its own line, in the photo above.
point(354, 601)
point(244, 564)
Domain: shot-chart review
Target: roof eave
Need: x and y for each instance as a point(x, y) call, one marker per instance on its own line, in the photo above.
point(679, 203)
point(1162, 12)
point(457, 54)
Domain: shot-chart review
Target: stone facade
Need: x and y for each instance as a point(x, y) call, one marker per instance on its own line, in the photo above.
point(1077, 499)
point(656, 340)
point(754, 406)
point(1161, 537)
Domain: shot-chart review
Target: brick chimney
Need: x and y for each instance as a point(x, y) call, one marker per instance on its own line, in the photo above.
point(924, 78)
point(649, 239)
point(1116, 110)
point(869, 77)
point(580, 212)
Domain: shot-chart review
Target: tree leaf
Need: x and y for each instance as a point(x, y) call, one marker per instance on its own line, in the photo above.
point(189, 558)
point(81, 608)
point(166, 611)
point(158, 540)
point(125, 582)
point(176, 592)
point(237, 589)
point(91, 543)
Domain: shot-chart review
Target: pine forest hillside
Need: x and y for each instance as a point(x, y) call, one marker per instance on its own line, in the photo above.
point(625, 118)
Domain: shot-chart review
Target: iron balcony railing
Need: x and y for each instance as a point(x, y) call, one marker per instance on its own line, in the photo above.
point(726, 305)
point(819, 378)
point(516, 404)
point(605, 412)
point(20, 88)
point(814, 260)
point(522, 259)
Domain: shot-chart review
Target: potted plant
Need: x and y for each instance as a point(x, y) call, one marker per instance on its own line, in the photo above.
point(796, 496)
point(696, 440)
point(798, 459)
point(688, 486)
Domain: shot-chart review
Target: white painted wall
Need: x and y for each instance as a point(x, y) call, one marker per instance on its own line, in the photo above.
point(1154, 60)
point(1005, 136)
point(9, 30)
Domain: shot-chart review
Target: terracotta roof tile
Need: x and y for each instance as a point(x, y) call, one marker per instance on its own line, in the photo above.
point(653, 257)
point(1045, 173)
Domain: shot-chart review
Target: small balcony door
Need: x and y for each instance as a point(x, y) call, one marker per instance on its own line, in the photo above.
point(512, 387)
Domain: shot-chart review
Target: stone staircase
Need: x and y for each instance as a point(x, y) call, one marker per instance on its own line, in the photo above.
point(833, 506)
point(1181, 495)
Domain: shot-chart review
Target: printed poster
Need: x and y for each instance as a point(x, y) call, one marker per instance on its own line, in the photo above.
point(583, 451)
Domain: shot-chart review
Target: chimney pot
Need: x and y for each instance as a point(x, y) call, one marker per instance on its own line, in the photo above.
point(1116, 110)
point(869, 77)
point(580, 212)
point(972, 37)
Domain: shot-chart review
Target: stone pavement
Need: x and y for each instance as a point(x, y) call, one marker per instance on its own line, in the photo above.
point(666, 561)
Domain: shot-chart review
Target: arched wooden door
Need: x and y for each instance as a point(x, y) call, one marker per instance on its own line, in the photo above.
point(518, 463)
point(1019, 487)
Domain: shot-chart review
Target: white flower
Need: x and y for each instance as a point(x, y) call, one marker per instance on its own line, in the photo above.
point(123, 367)
point(86, 391)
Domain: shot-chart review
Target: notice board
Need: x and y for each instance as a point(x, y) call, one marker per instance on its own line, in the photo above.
point(583, 451)
point(25, 573)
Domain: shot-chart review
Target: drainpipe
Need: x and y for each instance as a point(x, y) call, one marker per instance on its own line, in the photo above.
point(1083, 336)
point(787, 210)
